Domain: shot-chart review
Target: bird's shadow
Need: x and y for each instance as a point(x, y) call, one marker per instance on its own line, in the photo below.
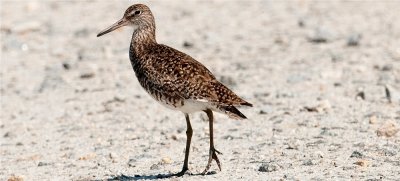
point(123, 177)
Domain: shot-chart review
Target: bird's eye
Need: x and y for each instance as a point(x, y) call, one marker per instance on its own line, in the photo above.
point(137, 12)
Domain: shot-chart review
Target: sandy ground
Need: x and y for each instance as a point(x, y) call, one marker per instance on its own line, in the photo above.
point(316, 72)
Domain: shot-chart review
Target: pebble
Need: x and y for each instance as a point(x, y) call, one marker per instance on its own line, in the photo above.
point(87, 75)
point(323, 106)
point(154, 167)
point(88, 156)
point(392, 95)
point(293, 145)
point(301, 22)
point(15, 178)
point(174, 137)
point(360, 95)
point(309, 162)
point(356, 154)
point(112, 155)
point(354, 39)
point(187, 44)
point(319, 154)
point(213, 172)
point(362, 163)
point(66, 65)
point(42, 164)
point(320, 35)
point(266, 109)
point(388, 129)
point(268, 167)
point(389, 152)
point(387, 67)
point(166, 160)
point(9, 135)
point(131, 162)
point(373, 119)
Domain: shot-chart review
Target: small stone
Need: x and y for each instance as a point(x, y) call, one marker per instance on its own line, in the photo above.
point(309, 162)
point(387, 67)
point(388, 94)
point(228, 137)
point(42, 164)
point(88, 156)
point(87, 75)
point(213, 172)
point(301, 22)
point(112, 155)
point(373, 119)
point(392, 95)
point(268, 167)
point(388, 129)
point(354, 39)
point(356, 154)
point(337, 84)
point(131, 163)
point(174, 137)
point(389, 152)
point(360, 95)
point(166, 160)
point(154, 167)
point(8, 135)
point(15, 178)
point(266, 109)
point(323, 106)
point(66, 66)
point(293, 145)
point(362, 163)
point(187, 44)
point(320, 35)
point(319, 154)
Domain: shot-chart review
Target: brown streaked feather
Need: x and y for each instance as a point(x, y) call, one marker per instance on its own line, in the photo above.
point(174, 73)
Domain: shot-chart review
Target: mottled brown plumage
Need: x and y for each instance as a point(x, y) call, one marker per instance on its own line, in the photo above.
point(173, 78)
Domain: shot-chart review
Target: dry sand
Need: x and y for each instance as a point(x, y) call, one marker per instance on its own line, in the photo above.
point(72, 109)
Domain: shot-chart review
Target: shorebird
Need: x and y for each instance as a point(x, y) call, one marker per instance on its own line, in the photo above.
point(175, 79)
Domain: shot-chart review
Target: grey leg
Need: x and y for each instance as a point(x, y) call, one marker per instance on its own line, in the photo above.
point(189, 133)
point(213, 151)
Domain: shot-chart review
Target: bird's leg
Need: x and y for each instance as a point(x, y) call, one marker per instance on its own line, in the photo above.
point(213, 151)
point(189, 133)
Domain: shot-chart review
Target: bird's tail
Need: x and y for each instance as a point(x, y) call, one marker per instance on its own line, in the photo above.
point(232, 112)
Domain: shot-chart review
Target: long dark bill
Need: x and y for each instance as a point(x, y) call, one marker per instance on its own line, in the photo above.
point(113, 27)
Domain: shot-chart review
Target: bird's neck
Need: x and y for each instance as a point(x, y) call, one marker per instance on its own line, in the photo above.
point(143, 37)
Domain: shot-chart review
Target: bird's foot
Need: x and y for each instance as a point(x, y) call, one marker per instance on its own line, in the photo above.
point(181, 173)
point(212, 156)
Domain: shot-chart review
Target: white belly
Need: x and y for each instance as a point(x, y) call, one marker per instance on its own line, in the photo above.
point(194, 106)
point(189, 106)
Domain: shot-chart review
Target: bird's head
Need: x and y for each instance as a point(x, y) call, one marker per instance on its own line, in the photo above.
point(137, 16)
